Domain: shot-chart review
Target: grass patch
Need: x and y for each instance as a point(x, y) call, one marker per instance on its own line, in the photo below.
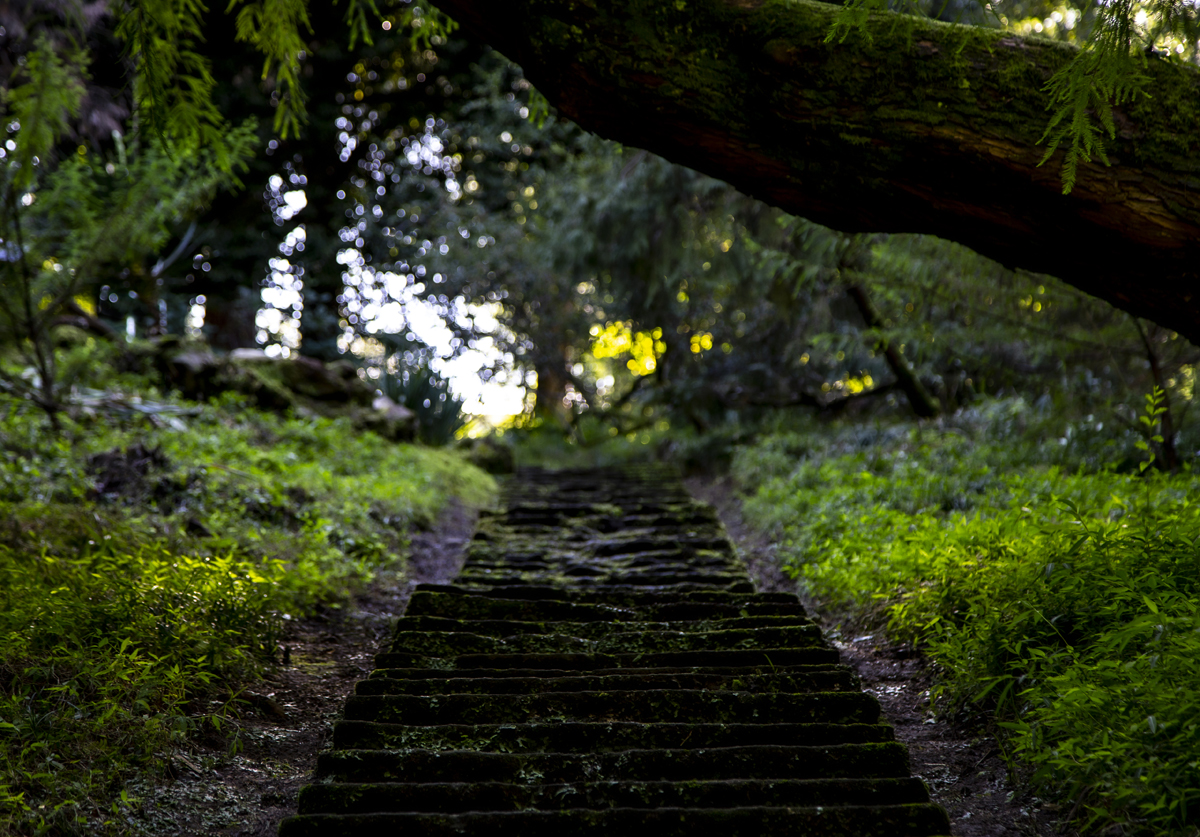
point(146, 567)
point(1055, 594)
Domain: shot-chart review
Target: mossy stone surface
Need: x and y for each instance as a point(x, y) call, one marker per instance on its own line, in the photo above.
point(576, 696)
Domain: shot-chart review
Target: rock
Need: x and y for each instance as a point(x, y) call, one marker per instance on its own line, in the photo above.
point(393, 410)
point(249, 355)
point(281, 384)
point(311, 378)
point(389, 419)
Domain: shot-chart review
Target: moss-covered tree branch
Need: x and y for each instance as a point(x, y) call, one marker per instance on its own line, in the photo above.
point(910, 126)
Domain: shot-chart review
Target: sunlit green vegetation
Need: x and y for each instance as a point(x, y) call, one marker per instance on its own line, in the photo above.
point(1050, 578)
point(149, 562)
point(1035, 534)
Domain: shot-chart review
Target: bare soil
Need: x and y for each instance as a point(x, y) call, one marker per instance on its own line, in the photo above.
point(960, 762)
point(288, 717)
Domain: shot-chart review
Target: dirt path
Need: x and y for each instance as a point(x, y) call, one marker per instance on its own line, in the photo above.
point(209, 793)
point(961, 766)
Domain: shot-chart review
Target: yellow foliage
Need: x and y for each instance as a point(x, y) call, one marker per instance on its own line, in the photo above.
point(701, 342)
point(617, 339)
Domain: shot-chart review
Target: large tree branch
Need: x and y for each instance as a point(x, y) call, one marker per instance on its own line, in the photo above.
point(922, 127)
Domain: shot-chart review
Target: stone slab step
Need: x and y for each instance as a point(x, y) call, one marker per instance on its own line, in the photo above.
point(593, 629)
point(823, 680)
point(453, 797)
point(597, 737)
point(633, 567)
point(603, 665)
point(920, 820)
point(428, 603)
point(618, 595)
point(449, 644)
point(580, 662)
point(695, 705)
point(835, 761)
point(718, 581)
point(466, 674)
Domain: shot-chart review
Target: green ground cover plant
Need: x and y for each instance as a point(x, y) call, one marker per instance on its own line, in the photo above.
point(1051, 579)
point(150, 557)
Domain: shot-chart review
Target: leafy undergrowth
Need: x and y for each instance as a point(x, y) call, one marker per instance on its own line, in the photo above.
point(148, 568)
point(1055, 595)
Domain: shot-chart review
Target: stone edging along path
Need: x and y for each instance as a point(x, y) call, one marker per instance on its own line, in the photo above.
point(602, 664)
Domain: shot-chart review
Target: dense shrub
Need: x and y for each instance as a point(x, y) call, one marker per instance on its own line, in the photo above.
point(1054, 594)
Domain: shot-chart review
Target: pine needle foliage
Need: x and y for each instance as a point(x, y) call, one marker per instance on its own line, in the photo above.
point(174, 83)
point(43, 105)
point(275, 28)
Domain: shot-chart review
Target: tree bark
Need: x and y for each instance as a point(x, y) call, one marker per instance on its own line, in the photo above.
point(922, 127)
point(923, 404)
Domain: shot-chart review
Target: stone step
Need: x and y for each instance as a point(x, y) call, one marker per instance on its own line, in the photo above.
point(576, 737)
point(831, 679)
point(630, 570)
point(617, 595)
point(694, 705)
point(919, 820)
point(835, 761)
point(457, 606)
point(446, 644)
point(602, 665)
point(469, 578)
point(815, 655)
point(465, 674)
point(454, 797)
point(594, 628)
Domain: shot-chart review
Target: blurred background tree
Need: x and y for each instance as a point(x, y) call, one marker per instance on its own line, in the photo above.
point(393, 175)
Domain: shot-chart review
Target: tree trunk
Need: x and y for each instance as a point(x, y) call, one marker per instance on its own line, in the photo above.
point(923, 404)
point(923, 127)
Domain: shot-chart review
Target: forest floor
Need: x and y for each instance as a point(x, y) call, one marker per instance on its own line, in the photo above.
point(289, 719)
point(959, 762)
point(209, 792)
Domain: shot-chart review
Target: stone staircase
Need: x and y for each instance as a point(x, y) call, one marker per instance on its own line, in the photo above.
point(601, 666)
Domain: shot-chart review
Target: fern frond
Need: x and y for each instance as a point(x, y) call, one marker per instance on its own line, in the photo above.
point(1105, 73)
point(852, 18)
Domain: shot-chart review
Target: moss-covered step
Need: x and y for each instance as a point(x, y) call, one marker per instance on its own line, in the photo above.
point(597, 737)
point(814, 655)
point(615, 596)
point(831, 679)
point(447, 644)
point(732, 582)
point(695, 705)
point(593, 629)
point(919, 820)
point(602, 664)
point(465, 675)
point(767, 761)
point(630, 570)
point(457, 606)
point(452, 797)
